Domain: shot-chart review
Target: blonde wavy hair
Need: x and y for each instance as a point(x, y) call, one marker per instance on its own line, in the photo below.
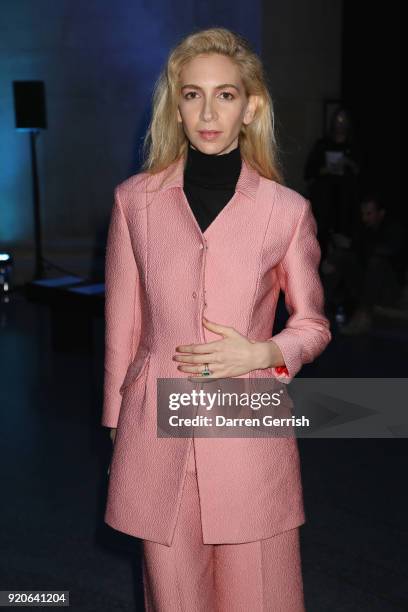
point(165, 141)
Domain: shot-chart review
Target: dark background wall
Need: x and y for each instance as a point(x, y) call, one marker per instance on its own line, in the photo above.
point(99, 60)
point(373, 89)
point(301, 49)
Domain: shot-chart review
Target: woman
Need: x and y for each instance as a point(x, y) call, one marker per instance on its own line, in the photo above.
point(218, 517)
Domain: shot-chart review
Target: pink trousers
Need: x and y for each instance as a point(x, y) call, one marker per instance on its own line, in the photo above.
point(189, 576)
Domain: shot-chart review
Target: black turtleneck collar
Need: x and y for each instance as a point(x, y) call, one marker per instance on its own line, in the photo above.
point(211, 170)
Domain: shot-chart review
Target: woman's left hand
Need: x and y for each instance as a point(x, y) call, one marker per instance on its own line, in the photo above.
point(231, 356)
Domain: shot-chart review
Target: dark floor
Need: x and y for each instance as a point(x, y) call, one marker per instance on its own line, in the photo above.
point(54, 456)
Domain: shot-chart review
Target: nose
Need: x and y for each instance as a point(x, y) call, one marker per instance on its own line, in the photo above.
point(207, 111)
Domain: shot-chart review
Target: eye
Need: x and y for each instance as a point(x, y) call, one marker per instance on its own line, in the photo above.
point(192, 94)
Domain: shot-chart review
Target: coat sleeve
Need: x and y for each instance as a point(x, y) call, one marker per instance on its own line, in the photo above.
point(307, 330)
point(122, 311)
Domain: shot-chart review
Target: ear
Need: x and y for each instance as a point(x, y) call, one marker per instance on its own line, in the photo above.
point(179, 119)
point(252, 105)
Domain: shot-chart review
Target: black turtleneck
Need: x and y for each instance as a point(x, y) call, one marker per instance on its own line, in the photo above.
point(209, 182)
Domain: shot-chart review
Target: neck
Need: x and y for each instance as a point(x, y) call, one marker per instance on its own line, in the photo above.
point(212, 169)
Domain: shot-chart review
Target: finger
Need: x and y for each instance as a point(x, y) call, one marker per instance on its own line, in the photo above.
point(195, 358)
point(198, 348)
point(195, 369)
point(217, 327)
point(199, 377)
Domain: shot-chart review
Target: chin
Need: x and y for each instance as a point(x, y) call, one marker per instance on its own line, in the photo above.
point(212, 148)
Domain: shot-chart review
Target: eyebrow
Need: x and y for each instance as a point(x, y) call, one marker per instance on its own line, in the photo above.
point(191, 85)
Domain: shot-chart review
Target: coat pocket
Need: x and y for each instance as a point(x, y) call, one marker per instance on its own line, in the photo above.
point(136, 368)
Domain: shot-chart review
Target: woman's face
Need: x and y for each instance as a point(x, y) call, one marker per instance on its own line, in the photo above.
point(213, 104)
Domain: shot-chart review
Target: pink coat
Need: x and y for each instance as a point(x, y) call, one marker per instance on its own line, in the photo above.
point(162, 275)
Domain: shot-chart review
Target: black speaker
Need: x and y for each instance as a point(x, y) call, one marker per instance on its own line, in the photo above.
point(29, 104)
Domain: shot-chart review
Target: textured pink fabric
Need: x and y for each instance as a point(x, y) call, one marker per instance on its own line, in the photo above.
point(260, 576)
point(162, 275)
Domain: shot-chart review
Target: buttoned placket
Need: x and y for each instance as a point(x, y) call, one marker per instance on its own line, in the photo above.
point(203, 246)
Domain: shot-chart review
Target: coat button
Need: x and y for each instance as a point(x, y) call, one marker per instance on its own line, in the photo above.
point(201, 246)
point(194, 295)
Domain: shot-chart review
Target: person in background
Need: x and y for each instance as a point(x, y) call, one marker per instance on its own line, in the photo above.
point(331, 173)
point(370, 266)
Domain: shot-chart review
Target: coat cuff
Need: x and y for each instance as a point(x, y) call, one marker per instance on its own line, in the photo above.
point(291, 355)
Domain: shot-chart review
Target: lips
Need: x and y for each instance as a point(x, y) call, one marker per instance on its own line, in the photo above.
point(209, 134)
